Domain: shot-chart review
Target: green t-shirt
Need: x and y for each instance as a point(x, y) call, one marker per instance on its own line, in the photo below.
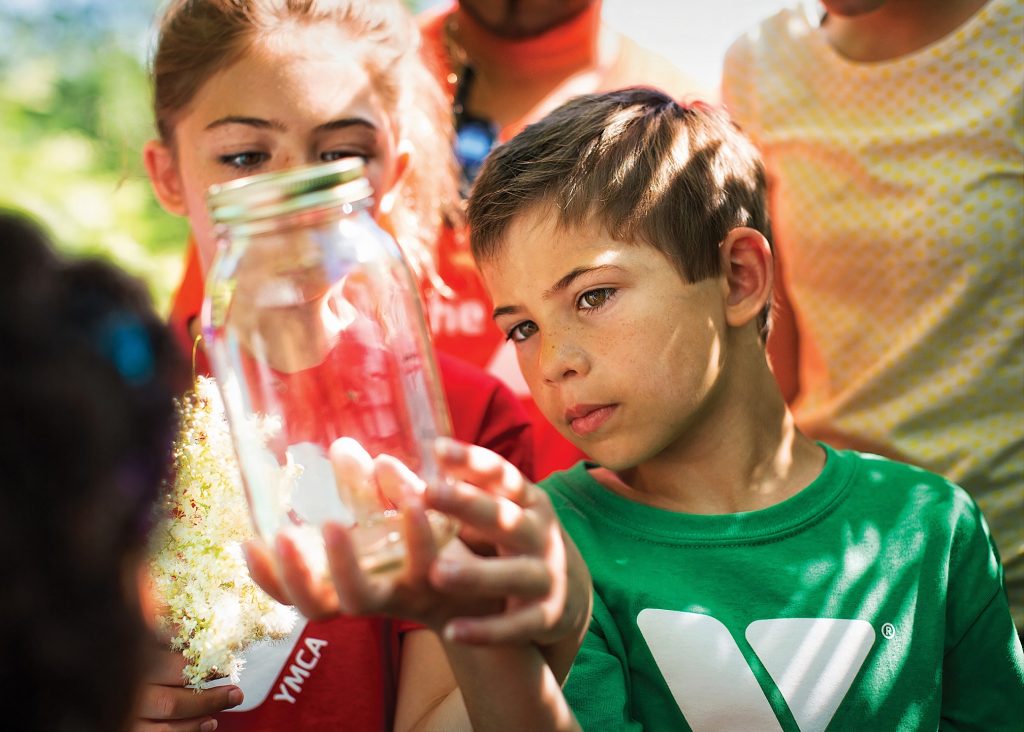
point(871, 600)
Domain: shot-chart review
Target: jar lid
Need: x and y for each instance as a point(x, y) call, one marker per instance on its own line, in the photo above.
point(283, 192)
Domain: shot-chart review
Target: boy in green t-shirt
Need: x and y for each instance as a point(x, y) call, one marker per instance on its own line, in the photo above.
point(745, 577)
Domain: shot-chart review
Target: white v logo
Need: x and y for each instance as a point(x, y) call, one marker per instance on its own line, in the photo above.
point(813, 661)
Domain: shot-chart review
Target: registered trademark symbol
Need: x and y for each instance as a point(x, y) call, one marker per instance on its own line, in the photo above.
point(888, 630)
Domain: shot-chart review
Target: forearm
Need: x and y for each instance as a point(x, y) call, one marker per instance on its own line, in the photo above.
point(579, 607)
point(560, 655)
point(501, 689)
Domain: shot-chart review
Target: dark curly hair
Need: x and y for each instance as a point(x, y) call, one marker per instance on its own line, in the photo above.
point(88, 377)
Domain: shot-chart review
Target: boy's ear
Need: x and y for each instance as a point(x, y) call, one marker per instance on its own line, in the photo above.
point(162, 167)
point(748, 268)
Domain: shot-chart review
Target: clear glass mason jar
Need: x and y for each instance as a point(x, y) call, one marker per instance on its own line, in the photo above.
point(317, 340)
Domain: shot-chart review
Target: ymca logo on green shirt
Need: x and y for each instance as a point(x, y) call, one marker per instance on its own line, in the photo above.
point(812, 661)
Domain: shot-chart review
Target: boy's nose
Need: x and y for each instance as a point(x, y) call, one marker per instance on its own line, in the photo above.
point(560, 360)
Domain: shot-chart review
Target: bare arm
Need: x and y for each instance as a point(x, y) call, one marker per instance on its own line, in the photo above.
point(499, 688)
point(539, 572)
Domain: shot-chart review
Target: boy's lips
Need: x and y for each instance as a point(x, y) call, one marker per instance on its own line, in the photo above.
point(587, 418)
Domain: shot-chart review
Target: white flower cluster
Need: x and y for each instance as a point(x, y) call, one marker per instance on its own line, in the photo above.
point(211, 607)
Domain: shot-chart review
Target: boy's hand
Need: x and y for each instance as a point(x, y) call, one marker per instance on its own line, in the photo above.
point(537, 571)
point(534, 587)
point(406, 593)
point(166, 705)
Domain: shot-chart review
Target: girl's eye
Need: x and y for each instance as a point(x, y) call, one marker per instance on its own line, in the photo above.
point(243, 160)
point(332, 155)
point(521, 331)
point(594, 299)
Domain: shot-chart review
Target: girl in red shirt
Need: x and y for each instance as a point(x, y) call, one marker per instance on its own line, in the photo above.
point(243, 88)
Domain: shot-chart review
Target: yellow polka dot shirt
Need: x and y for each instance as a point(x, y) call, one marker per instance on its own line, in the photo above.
point(897, 190)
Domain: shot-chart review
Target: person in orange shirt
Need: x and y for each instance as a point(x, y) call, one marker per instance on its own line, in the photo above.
point(503, 65)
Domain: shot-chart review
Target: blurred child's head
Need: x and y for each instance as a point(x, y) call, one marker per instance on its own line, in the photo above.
point(249, 86)
point(624, 241)
point(88, 378)
point(523, 18)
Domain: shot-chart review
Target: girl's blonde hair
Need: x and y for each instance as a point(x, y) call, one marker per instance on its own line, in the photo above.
point(198, 38)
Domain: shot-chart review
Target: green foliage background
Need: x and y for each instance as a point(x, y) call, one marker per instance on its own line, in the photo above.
point(74, 114)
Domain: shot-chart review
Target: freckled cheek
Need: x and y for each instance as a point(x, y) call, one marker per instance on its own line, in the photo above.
point(667, 356)
point(546, 398)
point(631, 343)
point(528, 366)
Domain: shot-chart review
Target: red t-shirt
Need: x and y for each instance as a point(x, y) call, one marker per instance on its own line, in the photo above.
point(341, 674)
point(338, 674)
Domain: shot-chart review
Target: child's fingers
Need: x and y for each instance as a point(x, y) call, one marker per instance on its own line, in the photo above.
point(481, 467)
point(262, 570)
point(523, 624)
point(165, 703)
point(350, 460)
point(521, 577)
point(405, 489)
point(353, 473)
point(421, 549)
point(476, 541)
point(312, 597)
point(356, 593)
point(173, 708)
point(502, 521)
point(395, 479)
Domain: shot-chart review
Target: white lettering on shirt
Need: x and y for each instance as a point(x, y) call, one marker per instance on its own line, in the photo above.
point(466, 318)
point(299, 670)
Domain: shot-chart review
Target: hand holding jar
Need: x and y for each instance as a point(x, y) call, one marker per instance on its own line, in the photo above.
point(318, 344)
point(512, 576)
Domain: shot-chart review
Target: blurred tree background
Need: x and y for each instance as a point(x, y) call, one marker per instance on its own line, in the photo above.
point(74, 114)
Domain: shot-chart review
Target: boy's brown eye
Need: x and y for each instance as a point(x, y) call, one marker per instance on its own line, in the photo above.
point(522, 331)
point(592, 299)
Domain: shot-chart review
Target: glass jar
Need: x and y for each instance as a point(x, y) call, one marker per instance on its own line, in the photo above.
point(317, 340)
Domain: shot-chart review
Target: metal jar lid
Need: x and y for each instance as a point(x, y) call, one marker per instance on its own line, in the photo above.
point(305, 188)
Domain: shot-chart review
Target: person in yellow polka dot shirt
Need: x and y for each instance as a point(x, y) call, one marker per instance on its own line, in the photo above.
point(893, 133)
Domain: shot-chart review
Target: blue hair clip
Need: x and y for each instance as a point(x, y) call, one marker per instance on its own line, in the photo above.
point(124, 341)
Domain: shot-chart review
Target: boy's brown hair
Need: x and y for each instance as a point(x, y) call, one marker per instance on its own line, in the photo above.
point(637, 163)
